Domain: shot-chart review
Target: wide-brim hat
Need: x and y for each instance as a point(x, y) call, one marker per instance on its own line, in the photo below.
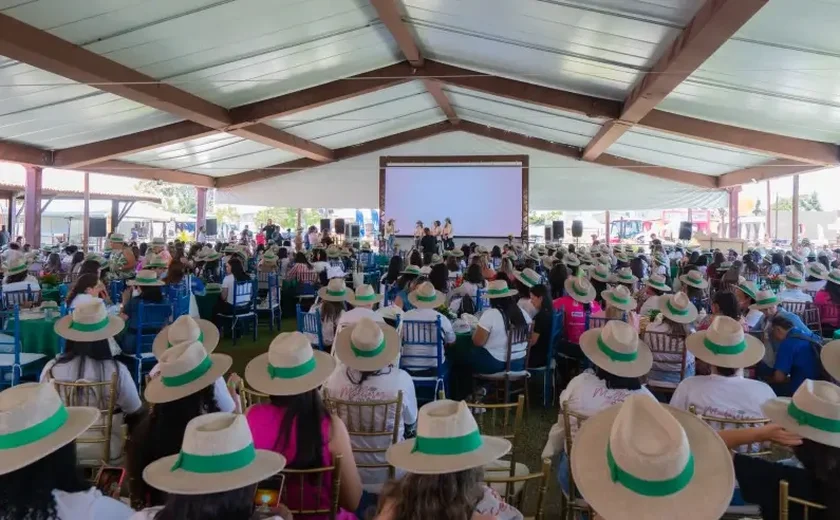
point(658, 282)
point(411, 269)
point(367, 345)
point(290, 367)
point(795, 258)
point(116, 238)
point(601, 273)
point(620, 298)
point(37, 407)
point(457, 253)
point(833, 276)
point(616, 348)
point(794, 279)
point(817, 270)
point(528, 277)
point(426, 297)
point(448, 441)
point(499, 289)
point(830, 357)
point(620, 453)
point(625, 275)
point(571, 260)
point(765, 300)
point(364, 295)
point(217, 455)
point(333, 252)
point(694, 280)
point(678, 308)
point(186, 329)
point(724, 344)
point(813, 412)
point(579, 289)
point(145, 278)
point(89, 322)
point(335, 291)
point(185, 369)
point(747, 287)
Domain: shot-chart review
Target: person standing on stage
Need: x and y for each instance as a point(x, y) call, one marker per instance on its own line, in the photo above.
point(428, 243)
point(448, 237)
point(437, 232)
point(418, 233)
point(390, 235)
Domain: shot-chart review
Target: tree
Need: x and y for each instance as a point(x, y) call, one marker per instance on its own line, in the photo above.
point(810, 202)
point(227, 215)
point(177, 198)
point(544, 217)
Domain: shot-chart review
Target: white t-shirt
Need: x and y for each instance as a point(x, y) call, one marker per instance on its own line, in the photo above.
point(89, 505)
point(752, 318)
point(794, 295)
point(492, 321)
point(229, 283)
point(220, 392)
point(818, 285)
point(526, 305)
point(82, 298)
point(355, 314)
point(320, 267)
point(383, 387)
point(409, 349)
point(29, 282)
point(328, 328)
point(728, 397)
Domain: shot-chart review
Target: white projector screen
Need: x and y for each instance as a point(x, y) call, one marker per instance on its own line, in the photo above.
point(482, 201)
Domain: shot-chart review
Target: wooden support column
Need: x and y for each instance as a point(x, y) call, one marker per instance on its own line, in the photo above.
point(795, 211)
point(767, 211)
point(115, 215)
point(86, 215)
point(607, 227)
point(10, 221)
point(733, 212)
point(201, 209)
point(32, 205)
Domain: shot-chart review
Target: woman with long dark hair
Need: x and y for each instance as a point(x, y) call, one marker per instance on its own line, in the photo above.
point(491, 336)
point(557, 279)
point(440, 278)
point(296, 424)
point(827, 301)
point(712, 271)
point(149, 288)
point(541, 334)
point(232, 292)
point(404, 286)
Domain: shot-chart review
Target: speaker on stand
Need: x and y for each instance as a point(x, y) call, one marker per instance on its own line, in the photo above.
point(325, 225)
point(577, 230)
point(685, 230)
point(558, 230)
point(548, 234)
point(210, 227)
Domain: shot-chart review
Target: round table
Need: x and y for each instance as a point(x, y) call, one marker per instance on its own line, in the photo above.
point(460, 373)
point(37, 336)
point(206, 303)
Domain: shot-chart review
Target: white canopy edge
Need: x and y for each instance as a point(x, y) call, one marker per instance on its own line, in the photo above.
point(556, 182)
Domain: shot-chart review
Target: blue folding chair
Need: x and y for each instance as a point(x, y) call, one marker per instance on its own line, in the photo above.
point(64, 309)
point(151, 319)
point(372, 278)
point(307, 286)
point(14, 364)
point(309, 323)
point(116, 289)
point(270, 303)
point(367, 260)
point(244, 303)
point(63, 290)
point(179, 298)
point(481, 300)
point(548, 371)
point(18, 298)
point(428, 370)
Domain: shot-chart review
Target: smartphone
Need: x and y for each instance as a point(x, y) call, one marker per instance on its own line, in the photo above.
point(268, 493)
point(109, 480)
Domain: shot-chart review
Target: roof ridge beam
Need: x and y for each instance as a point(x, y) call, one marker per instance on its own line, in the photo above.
point(766, 171)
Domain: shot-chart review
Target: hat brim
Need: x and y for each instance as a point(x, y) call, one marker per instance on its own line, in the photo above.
point(595, 276)
point(439, 300)
point(777, 411)
point(159, 475)
point(526, 283)
point(636, 368)
point(689, 317)
point(793, 283)
point(663, 287)
point(135, 283)
point(257, 376)
point(209, 333)
point(79, 419)
point(355, 302)
point(588, 298)
point(629, 306)
point(402, 456)
point(322, 293)
point(830, 357)
point(818, 276)
point(702, 284)
point(344, 351)
point(749, 357)
point(510, 293)
point(616, 279)
point(157, 392)
point(763, 306)
point(706, 496)
point(62, 328)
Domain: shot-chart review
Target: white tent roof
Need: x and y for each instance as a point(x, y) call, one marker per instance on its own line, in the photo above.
point(102, 208)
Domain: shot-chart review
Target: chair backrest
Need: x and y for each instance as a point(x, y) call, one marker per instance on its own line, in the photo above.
point(12, 298)
point(808, 312)
point(273, 289)
point(115, 290)
point(244, 294)
point(829, 313)
point(568, 415)
point(361, 421)
point(785, 499)
point(421, 333)
point(665, 343)
point(309, 323)
point(504, 421)
point(11, 328)
point(100, 395)
point(297, 492)
point(308, 283)
point(516, 337)
point(151, 318)
point(248, 397)
point(755, 449)
point(556, 327)
point(179, 298)
point(518, 488)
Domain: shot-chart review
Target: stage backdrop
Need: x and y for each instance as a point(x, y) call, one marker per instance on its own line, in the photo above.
point(482, 201)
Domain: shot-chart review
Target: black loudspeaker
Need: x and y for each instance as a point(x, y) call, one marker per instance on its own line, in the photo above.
point(558, 229)
point(96, 228)
point(325, 225)
point(352, 230)
point(577, 228)
point(210, 228)
point(548, 233)
point(685, 230)
point(339, 226)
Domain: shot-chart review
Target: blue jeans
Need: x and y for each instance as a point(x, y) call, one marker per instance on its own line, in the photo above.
point(484, 363)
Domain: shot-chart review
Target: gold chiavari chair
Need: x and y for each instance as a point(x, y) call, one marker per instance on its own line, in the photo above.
point(571, 504)
point(103, 397)
point(669, 354)
point(756, 449)
point(248, 397)
point(785, 499)
point(503, 420)
point(297, 492)
point(521, 481)
point(361, 422)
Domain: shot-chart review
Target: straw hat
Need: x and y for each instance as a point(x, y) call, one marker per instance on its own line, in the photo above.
point(365, 246)
point(457, 253)
point(658, 282)
point(186, 330)
point(794, 278)
point(694, 279)
point(765, 300)
point(641, 460)
point(580, 289)
point(333, 252)
point(834, 276)
point(426, 297)
point(217, 455)
point(185, 369)
point(364, 296)
point(747, 287)
point(620, 298)
point(795, 258)
point(813, 412)
point(117, 238)
point(335, 291)
point(678, 308)
point(89, 322)
point(499, 289)
point(547, 261)
point(436, 259)
point(571, 260)
point(367, 345)
point(817, 270)
point(528, 277)
point(411, 269)
point(724, 266)
point(426, 270)
point(154, 261)
point(96, 258)
point(625, 275)
point(17, 264)
point(621, 257)
point(158, 242)
point(601, 273)
point(617, 349)
point(724, 344)
point(34, 423)
point(145, 278)
point(447, 441)
point(269, 259)
point(830, 357)
point(290, 367)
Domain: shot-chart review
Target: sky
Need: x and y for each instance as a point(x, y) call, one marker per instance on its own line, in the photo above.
point(824, 182)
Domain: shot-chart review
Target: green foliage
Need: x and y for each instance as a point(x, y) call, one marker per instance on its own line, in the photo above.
point(544, 217)
point(809, 202)
point(287, 217)
point(177, 198)
point(227, 214)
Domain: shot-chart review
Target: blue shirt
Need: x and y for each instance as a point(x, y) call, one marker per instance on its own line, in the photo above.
point(798, 358)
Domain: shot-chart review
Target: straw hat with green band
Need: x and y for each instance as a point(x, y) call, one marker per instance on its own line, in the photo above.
point(747, 287)
point(117, 238)
point(641, 460)
point(448, 441)
point(579, 289)
point(185, 369)
point(89, 322)
point(217, 455)
point(765, 300)
point(499, 289)
point(34, 423)
point(794, 278)
point(601, 273)
point(101, 260)
point(817, 270)
point(813, 412)
point(145, 278)
point(834, 276)
point(335, 291)
point(528, 276)
point(620, 298)
point(678, 308)
point(186, 329)
point(365, 296)
point(571, 260)
point(367, 345)
point(17, 264)
point(617, 349)
point(658, 282)
point(411, 269)
point(724, 344)
point(694, 279)
point(426, 297)
point(290, 367)
point(624, 275)
point(830, 357)
point(154, 261)
point(795, 258)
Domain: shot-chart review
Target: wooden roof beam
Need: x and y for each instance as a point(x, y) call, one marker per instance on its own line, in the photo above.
point(390, 16)
point(762, 172)
point(435, 88)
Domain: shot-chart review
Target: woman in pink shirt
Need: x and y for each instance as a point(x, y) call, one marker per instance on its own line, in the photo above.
point(827, 301)
point(578, 302)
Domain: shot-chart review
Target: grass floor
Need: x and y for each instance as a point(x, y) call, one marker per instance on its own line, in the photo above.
point(530, 441)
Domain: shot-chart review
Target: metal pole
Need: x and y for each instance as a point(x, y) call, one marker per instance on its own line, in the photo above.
point(767, 223)
point(86, 220)
point(795, 211)
point(607, 218)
